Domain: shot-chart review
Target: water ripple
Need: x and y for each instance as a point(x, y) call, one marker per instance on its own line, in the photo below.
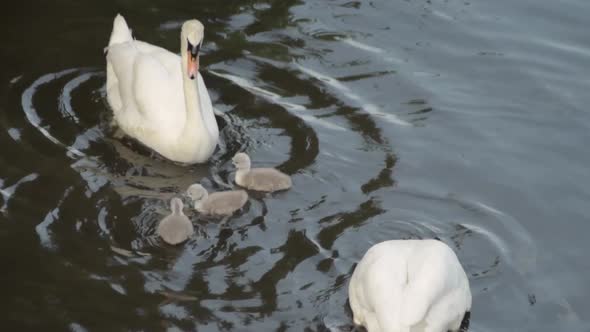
point(32, 114)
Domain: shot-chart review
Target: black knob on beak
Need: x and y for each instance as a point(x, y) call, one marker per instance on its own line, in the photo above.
point(194, 50)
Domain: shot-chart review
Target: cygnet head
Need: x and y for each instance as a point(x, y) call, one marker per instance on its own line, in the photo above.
point(176, 206)
point(191, 40)
point(241, 161)
point(196, 192)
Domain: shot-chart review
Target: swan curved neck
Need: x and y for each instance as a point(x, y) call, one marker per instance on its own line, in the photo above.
point(194, 119)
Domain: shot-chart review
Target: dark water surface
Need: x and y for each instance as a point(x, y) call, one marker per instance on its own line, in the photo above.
point(463, 120)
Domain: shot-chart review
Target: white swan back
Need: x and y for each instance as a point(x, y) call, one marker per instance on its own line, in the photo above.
point(409, 284)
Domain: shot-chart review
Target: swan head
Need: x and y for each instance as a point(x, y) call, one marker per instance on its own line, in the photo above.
point(241, 161)
point(196, 192)
point(176, 206)
point(191, 40)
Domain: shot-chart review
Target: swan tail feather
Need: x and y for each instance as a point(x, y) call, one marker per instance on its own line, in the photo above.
point(121, 32)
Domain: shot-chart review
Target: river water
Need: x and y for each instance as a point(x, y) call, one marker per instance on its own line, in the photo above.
point(463, 120)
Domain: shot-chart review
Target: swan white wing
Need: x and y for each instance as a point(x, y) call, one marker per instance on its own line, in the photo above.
point(377, 287)
point(113, 95)
point(389, 277)
point(435, 276)
point(427, 283)
point(121, 58)
point(171, 63)
point(159, 96)
point(386, 288)
point(169, 60)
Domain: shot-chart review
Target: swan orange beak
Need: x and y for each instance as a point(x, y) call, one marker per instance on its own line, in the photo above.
point(193, 66)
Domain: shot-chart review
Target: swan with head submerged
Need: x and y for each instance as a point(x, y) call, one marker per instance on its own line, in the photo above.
point(158, 97)
point(409, 286)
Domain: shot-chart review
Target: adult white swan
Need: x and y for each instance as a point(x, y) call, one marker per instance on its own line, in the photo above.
point(409, 285)
point(158, 97)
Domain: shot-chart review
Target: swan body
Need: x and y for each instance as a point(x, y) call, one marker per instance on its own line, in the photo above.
point(409, 285)
point(158, 97)
point(260, 179)
point(223, 203)
point(176, 227)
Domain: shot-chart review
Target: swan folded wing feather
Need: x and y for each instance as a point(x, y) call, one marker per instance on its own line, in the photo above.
point(426, 285)
point(121, 59)
point(434, 274)
point(376, 288)
point(448, 312)
point(121, 32)
point(112, 86)
point(386, 285)
point(358, 297)
point(159, 96)
point(169, 60)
